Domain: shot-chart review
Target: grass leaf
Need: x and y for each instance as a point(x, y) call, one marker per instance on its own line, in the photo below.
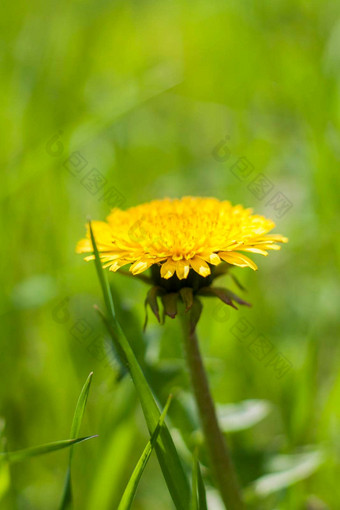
point(169, 460)
point(202, 497)
point(80, 409)
point(194, 484)
point(102, 279)
point(20, 455)
point(198, 495)
point(75, 428)
point(131, 488)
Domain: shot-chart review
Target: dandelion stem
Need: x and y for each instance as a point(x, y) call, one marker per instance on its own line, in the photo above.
point(220, 460)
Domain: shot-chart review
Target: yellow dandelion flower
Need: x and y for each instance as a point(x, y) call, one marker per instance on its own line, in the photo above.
point(180, 236)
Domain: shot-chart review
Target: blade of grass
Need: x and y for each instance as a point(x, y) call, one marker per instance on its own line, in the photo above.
point(80, 409)
point(202, 497)
point(194, 483)
point(4, 480)
point(5, 477)
point(108, 301)
point(102, 279)
point(75, 428)
point(169, 460)
point(198, 496)
point(27, 453)
point(131, 488)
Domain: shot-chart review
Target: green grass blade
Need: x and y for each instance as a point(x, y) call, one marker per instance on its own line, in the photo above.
point(131, 488)
point(20, 455)
point(169, 460)
point(75, 428)
point(194, 484)
point(108, 301)
point(102, 279)
point(5, 476)
point(4, 479)
point(170, 463)
point(198, 495)
point(66, 501)
point(80, 409)
point(202, 496)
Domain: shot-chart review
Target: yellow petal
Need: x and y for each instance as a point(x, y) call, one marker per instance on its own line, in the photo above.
point(182, 269)
point(237, 259)
point(253, 249)
point(212, 258)
point(277, 238)
point(168, 269)
point(116, 264)
point(270, 246)
point(102, 233)
point(200, 266)
point(140, 265)
point(84, 246)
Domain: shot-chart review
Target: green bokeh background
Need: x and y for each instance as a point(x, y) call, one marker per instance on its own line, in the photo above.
point(147, 93)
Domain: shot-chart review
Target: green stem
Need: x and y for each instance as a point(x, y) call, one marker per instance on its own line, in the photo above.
point(220, 460)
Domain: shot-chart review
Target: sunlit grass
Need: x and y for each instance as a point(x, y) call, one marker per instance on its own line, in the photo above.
point(145, 92)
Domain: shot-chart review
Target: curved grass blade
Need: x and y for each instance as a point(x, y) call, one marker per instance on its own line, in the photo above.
point(198, 495)
point(102, 279)
point(75, 428)
point(4, 479)
point(202, 497)
point(108, 302)
point(131, 488)
point(5, 476)
point(194, 484)
point(169, 460)
point(20, 455)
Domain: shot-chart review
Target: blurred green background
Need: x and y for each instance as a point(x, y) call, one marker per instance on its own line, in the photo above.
point(168, 99)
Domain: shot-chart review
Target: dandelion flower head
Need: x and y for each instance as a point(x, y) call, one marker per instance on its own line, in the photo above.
point(181, 235)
